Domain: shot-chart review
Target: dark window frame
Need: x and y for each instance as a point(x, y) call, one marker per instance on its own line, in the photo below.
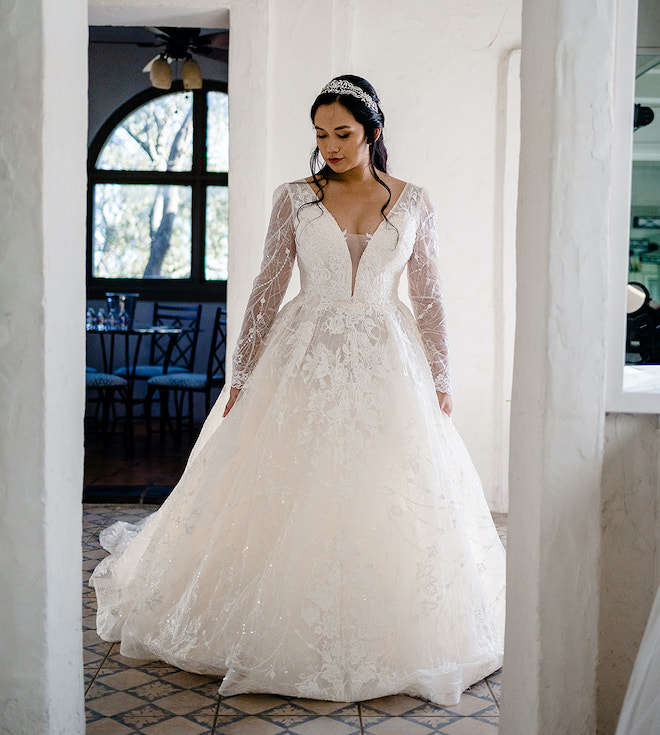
point(195, 288)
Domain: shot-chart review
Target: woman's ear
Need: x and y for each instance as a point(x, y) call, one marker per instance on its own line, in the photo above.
point(377, 132)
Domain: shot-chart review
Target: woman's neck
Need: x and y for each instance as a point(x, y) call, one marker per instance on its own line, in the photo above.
point(360, 174)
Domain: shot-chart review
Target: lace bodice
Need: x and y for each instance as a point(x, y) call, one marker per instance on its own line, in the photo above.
point(302, 229)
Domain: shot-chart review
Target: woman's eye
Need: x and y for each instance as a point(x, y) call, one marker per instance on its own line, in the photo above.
point(318, 135)
point(343, 136)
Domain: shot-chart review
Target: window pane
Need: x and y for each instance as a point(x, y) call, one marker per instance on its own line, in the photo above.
point(156, 137)
point(217, 132)
point(141, 231)
point(217, 217)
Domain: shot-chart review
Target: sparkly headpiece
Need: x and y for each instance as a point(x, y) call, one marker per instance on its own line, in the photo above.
point(343, 86)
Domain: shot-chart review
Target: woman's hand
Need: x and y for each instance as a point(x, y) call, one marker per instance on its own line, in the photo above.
point(446, 404)
point(233, 395)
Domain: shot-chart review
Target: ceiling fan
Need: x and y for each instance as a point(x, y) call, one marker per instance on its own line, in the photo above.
point(179, 44)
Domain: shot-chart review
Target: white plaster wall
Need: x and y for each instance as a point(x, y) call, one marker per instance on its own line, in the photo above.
point(448, 105)
point(443, 72)
point(42, 218)
point(201, 13)
point(557, 418)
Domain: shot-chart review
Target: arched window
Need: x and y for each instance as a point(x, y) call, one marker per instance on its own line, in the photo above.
point(158, 197)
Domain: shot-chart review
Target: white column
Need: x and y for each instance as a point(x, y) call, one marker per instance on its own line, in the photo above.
point(558, 406)
point(43, 86)
point(249, 199)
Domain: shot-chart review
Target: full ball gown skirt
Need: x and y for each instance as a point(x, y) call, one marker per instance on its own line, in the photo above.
point(329, 538)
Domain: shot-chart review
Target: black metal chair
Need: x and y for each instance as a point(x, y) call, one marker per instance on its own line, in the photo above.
point(182, 357)
point(106, 388)
point(182, 384)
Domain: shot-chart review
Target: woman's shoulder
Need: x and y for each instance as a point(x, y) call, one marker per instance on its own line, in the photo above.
point(399, 186)
point(287, 189)
point(295, 185)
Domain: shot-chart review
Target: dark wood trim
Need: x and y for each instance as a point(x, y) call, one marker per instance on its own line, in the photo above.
point(184, 178)
point(159, 289)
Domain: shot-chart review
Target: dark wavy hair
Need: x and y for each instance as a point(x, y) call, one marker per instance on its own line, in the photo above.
point(370, 121)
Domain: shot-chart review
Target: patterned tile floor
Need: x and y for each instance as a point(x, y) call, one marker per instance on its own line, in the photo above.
point(125, 696)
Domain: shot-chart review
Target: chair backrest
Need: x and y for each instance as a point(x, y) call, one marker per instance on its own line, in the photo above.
point(183, 352)
point(215, 370)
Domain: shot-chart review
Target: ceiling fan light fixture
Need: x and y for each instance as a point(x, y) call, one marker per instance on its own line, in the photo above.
point(160, 74)
point(191, 74)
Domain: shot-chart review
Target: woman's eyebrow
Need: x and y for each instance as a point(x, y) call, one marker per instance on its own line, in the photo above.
point(339, 127)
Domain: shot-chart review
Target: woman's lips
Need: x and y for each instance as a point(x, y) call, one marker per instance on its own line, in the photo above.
point(334, 160)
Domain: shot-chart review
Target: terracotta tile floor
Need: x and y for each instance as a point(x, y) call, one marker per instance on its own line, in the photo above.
point(125, 696)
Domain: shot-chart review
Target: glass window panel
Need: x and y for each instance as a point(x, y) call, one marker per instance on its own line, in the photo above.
point(217, 132)
point(141, 231)
point(217, 217)
point(644, 260)
point(155, 137)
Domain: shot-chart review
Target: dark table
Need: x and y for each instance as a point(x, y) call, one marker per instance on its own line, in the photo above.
point(130, 341)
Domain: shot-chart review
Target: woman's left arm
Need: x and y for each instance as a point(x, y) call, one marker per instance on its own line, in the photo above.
point(425, 289)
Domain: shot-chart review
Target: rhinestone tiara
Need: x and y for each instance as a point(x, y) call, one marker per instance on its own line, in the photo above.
point(343, 86)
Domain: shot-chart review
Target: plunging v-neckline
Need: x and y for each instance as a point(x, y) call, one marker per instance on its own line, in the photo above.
point(344, 233)
point(356, 245)
point(334, 219)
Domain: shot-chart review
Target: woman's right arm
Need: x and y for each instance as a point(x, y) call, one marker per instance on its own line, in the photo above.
point(268, 291)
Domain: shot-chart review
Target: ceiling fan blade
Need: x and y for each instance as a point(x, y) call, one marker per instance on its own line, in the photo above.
point(213, 46)
point(217, 40)
point(158, 32)
point(150, 64)
point(215, 54)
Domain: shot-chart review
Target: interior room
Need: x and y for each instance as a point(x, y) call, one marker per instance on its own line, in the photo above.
point(524, 141)
point(183, 264)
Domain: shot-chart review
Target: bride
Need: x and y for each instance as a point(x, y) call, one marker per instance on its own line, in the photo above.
point(329, 537)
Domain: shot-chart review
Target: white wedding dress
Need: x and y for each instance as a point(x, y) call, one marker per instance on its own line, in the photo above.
point(329, 538)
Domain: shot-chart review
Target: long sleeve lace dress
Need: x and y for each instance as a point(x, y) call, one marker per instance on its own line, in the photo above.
point(329, 538)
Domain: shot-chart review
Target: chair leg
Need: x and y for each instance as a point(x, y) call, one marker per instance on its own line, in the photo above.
point(191, 423)
point(179, 398)
point(129, 437)
point(164, 411)
point(147, 413)
point(105, 399)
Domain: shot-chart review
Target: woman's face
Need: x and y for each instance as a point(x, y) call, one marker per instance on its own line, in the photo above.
point(341, 138)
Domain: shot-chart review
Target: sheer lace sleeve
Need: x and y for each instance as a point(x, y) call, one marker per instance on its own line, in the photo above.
point(268, 288)
point(425, 289)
